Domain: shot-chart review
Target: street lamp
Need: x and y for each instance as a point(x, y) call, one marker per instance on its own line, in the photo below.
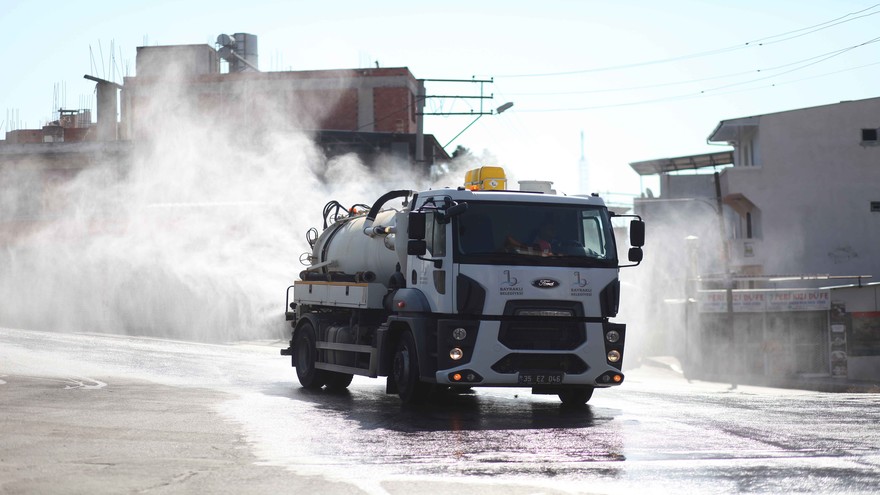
point(498, 110)
point(504, 107)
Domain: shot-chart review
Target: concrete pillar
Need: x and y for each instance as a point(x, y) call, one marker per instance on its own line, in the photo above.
point(420, 123)
point(108, 103)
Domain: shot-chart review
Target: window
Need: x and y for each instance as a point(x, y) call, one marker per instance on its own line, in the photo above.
point(747, 156)
point(875, 206)
point(535, 234)
point(594, 237)
point(435, 235)
point(869, 136)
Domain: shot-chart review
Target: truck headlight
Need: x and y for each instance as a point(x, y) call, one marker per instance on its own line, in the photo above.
point(612, 336)
point(613, 356)
point(455, 354)
point(459, 334)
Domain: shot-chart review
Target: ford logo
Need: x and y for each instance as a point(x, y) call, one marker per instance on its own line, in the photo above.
point(545, 283)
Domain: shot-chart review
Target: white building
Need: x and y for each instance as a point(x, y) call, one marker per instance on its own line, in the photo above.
point(795, 206)
point(806, 187)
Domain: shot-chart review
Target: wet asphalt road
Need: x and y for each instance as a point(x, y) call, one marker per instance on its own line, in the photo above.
point(121, 414)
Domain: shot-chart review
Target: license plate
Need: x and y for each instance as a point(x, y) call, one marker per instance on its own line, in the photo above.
point(540, 378)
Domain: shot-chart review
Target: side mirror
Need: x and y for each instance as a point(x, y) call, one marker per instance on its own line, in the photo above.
point(636, 235)
point(416, 247)
point(458, 209)
point(446, 216)
point(416, 226)
point(636, 254)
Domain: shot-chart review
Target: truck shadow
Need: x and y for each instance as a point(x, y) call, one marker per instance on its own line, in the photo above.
point(371, 408)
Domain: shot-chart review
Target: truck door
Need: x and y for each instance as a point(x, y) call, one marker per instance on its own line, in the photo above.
point(432, 273)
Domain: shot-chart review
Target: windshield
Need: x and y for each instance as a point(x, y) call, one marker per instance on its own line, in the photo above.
point(529, 233)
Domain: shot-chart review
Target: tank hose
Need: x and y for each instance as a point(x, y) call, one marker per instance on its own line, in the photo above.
point(333, 210)
point(377, 206)
point(312, 236)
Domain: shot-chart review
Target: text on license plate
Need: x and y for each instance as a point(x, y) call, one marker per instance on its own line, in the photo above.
point(540, 378)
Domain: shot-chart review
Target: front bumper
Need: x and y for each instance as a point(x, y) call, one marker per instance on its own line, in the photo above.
point(494, 356)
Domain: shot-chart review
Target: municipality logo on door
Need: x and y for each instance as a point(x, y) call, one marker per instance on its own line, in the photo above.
point(510, 285)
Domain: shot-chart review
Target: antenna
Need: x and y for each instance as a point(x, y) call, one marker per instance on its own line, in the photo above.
point(121, 61)
point(583, 170)
point(582, 144)
point(92, 61)
point(112, 60)
point(101, 53)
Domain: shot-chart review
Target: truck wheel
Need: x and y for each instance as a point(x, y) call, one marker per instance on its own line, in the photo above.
point(338, 381)
point(406, 372)
point(576, 396)
point(310, 377)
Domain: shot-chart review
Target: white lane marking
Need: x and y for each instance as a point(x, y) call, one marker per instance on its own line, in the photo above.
point(69, 383)
point(84, 383)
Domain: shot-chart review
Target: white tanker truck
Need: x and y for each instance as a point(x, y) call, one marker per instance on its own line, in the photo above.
point(457, 288)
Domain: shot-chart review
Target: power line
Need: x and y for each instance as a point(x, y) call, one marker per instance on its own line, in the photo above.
point(821, 58)
point(828, 74)
point(632, 88)
point(826, 56)
point(802, 64)
point(689, 96)
point(749, 44)
point(831, 23)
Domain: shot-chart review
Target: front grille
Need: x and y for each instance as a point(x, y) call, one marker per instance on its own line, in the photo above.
point(517, 362)
point(542, 335)
point(530, 326)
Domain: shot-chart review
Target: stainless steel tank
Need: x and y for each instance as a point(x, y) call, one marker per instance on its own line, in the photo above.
point(246, 47)
point(352, 252)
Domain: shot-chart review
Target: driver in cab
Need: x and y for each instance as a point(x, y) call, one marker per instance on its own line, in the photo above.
point(542, 244)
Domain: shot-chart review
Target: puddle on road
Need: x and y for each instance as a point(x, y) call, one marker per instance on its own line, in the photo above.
point(370, 435)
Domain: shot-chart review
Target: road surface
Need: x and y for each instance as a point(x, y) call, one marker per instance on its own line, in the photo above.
point(85, 413)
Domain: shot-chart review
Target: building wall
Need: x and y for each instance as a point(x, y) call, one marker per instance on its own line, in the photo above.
point(23, 136)
point(813, 182)
point(49, 134)
point(394, 110)
point(370, 112)
point(158, 61)
point(688, 186)
point(367, 100)
point(778, 333)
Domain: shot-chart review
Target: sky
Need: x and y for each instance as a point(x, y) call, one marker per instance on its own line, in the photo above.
point(639, 79)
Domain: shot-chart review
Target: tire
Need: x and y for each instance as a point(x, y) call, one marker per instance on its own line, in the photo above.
point(338, 381)
point(576, 396)
point(309, 377)
point(405, 370)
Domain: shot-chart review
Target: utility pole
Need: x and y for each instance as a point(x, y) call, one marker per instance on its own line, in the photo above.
point(420, 112)
point(420, 122)
point(725, 250)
